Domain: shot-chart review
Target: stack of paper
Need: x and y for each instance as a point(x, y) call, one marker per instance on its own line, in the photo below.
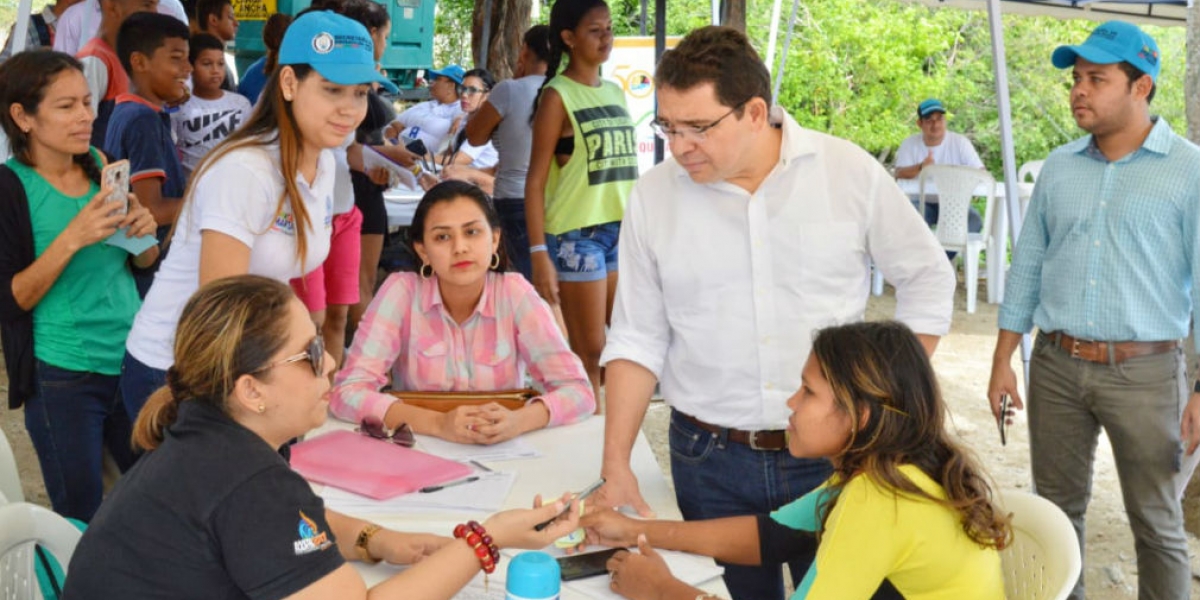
point(509, 450)
point(487, 495)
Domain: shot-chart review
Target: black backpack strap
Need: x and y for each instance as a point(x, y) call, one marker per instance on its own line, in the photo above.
point(43, 30)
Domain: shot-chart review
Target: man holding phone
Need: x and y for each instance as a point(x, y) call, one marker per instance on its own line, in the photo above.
point(1106, 268)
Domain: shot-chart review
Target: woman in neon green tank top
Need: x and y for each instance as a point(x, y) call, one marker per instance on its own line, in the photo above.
point(67, 299)
point(582, 165)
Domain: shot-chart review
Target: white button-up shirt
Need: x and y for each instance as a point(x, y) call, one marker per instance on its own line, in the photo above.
point(721, 290)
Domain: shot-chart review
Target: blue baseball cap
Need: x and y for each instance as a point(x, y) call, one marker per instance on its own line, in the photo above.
point(929, 107)
point(453, 72)
point(1113, 42)
point(340, 49)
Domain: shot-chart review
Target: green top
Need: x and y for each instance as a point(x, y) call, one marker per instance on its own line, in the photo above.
point(592, 187)
point(82, 321)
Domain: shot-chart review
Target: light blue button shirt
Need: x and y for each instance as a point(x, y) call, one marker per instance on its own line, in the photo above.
point(1108, 250)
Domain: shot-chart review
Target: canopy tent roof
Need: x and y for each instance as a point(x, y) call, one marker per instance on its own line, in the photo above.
point(1147, 12)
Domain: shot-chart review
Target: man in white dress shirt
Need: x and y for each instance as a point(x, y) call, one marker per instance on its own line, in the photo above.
point(733, 252)
point(935, 145)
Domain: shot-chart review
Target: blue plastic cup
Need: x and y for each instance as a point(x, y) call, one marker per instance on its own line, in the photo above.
point(532, 576)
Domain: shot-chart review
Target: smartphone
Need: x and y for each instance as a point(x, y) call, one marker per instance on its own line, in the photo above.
point(1005, 406)
point(580, 496)
point(579, 566)
point(116, 177)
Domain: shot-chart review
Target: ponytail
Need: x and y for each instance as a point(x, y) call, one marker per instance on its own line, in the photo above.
point(157, 415)
point(565, 15)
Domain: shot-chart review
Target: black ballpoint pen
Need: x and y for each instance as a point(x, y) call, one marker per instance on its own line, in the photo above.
point(437, 488)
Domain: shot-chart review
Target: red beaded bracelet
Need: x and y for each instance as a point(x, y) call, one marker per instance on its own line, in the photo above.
point(483, 545)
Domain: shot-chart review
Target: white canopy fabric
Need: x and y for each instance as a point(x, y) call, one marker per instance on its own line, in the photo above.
point(1146, 12)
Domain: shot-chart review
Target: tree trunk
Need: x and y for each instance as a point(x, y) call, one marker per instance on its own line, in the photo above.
point(510, 19)
point(733, 14)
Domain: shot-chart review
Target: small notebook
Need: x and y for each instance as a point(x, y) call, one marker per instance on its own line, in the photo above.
point(369, 467)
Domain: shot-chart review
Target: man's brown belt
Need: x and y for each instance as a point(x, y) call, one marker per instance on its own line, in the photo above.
point(1109, 352)
point(766, 439)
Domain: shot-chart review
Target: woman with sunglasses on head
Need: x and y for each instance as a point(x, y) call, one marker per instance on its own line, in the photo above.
point(67, 298)
point(461, 324)
point(262, 201)
point(582, 167)
point(212, 510)
point(462, 160)
point(907, 508)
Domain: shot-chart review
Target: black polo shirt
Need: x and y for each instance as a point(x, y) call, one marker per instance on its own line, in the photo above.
point(213, 513)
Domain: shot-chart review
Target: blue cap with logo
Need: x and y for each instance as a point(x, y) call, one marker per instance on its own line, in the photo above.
point(929, 107)
point(452, 72)
point(1113, 42)
point(339, 48)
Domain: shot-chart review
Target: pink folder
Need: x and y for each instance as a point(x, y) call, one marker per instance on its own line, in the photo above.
point(369, 467)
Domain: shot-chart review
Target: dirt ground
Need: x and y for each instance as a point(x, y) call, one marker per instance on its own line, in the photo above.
point(963, 362)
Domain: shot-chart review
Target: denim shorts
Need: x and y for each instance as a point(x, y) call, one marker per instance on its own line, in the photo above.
point(586, 254)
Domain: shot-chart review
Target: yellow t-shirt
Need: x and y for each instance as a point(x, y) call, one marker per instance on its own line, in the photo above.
point(875, 533)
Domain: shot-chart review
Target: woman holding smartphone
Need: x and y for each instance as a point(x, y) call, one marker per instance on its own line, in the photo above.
point(67, 299)
point(262, 201)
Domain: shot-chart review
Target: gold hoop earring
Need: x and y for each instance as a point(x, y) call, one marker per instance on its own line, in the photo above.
point(495, 261)
point(426, 271)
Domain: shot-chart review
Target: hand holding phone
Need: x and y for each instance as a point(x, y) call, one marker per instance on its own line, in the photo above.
point(1005, 413)
point(115, 177)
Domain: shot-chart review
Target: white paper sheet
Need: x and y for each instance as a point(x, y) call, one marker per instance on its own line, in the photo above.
point(509, 450)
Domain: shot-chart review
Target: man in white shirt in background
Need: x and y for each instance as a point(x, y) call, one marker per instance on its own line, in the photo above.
point(934, 146)
point(733, 252)
point(80, 23)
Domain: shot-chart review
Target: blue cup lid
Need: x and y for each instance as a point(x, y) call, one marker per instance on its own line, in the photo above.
point(533, 575)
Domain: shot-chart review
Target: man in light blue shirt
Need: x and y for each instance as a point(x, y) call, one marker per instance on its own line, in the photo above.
point(1105, 269)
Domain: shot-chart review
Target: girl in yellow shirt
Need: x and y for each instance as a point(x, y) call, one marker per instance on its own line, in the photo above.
point(907, 509)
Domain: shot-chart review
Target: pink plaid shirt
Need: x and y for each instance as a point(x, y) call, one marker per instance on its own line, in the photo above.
point(407, 331)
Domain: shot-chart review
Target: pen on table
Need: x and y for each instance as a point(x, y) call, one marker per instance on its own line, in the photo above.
point(481, 466)
point(437, 488)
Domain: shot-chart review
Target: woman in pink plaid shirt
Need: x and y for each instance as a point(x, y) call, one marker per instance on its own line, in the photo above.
point(460, 324)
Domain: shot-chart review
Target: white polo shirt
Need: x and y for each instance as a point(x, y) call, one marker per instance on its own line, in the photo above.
point(721, 290)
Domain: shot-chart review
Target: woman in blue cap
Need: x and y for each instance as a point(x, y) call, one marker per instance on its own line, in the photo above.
point(261, 201)
point(431, 121)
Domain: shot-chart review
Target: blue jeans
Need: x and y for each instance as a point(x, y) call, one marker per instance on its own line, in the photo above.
point(718, 478)
point(515, 234)
point(138, 382)
point(585, 254)
point(71, 418)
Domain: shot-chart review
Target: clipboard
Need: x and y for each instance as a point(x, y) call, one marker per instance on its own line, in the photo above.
point(369, 467)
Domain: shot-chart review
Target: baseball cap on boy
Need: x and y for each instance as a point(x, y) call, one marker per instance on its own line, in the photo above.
point(340, 49)
point(453, 72)
point(1113, 42)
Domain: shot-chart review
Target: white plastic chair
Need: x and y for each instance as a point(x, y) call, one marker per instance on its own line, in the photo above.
point(22, 526)
point(955, 188)
point(1031, 170)
point(1043, 562)
point(10, 480)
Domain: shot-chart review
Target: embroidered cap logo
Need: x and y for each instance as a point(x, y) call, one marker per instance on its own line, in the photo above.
point(322, 43)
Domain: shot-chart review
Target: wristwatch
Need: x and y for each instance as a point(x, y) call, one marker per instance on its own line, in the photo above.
point(364, 539)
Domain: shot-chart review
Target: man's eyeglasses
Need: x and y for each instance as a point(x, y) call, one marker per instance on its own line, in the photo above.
point(471, 90)
point(697, 133)
point(314, 354)
point(402, 436)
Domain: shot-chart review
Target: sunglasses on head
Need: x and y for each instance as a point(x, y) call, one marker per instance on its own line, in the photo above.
point(402, 436)
point(314, 353)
